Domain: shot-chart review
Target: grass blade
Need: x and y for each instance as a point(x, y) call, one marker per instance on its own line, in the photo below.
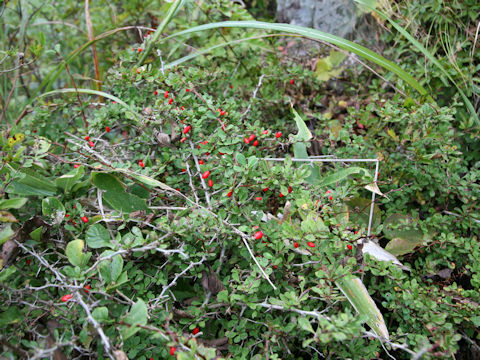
point(171, 12)
point(317, 35)
point(428, 55)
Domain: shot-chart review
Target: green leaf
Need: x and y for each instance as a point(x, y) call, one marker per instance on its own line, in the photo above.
point(138, 315)
point(124, 202)
point(13, 203)
point(67, 181)
point(11, 316)
point(342, 174)
point(7, 272)
point(305, 325)
point(242, 161)
point(37, 234)
point(252, 161)
point(74, 252)
point(100, 314)
point(111, 268)
point(53, 208)
point(357, 295)
point(31, 183)
point(6, 233)
point(107, 182)
point(404, 235)
point(304, 133)
point(97, 237)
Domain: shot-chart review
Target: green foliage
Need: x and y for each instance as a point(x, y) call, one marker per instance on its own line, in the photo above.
point(145, 200)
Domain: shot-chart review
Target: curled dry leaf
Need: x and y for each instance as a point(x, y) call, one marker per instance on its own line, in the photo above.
point(120, 355)
point(211, 282)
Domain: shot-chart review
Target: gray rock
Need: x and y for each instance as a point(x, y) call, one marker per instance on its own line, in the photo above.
point(337, 17)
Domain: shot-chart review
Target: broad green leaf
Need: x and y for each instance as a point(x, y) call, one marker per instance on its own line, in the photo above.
point(111, 268)
point(75, 255)
point(100, 314)
point(404, 234)
point(37, 234)
point(7, 272)
point(11, 316)
point(138, 315)
point(357, 295)
point(13, 203)
point(31, 183)
point(304, 133)
point(53, 208)
point(300, 152)
point(126, 203)
point(97, 237)
point(241, 159)
point(342, 174)
point(6, 233)
point(107, 182)
point(67, 181)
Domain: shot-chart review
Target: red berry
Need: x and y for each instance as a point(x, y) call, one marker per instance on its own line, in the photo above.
point(184, 170)
point(166, 94)
point(28, 261)
point(221, 154)
point(349, 247)
point(311, 244)
point(172, 350)
point(187, 129)
point(67, 215)
point(222, 113)
point(76, 166)
point(246, 141)
point(258, 198)
point(291, 82)
point(258, 235)
point(182, 108)
point(356, 232)
point(139, 49)
point(91, 144)
point(265, 132)
point(328, 192)
point(138, 71)
point(86, 288)
point(330, 198)
point(281, 195)
point(210, 182)
point(295, 245)
point(230, 194)
point(195, 331)
point(155, 92)
point(183, 139)
point(87, 137)
point(107, 129)
point(170, 101)
point(251, 137)
point(278, 134)
point(265, 190)
point(206, 174)
point(187, 90)
point(255, 143)
point(290, 189)
point(67, 297)
point(231, 86)
point(140, 162)
point(200, 162)
point(34, 131)
point(84, 219)
point(275, 266)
